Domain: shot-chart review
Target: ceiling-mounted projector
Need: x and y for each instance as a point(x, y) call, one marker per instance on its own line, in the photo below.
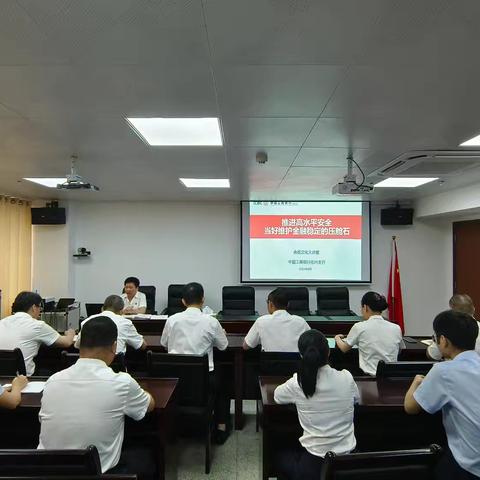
point(75, 181)
point(349, 186)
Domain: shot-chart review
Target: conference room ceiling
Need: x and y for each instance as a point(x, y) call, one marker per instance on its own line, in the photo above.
point(306, 81)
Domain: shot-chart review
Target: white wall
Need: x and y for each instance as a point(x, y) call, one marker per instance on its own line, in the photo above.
point(50, 262)
point(165, 243)
point(457, 201)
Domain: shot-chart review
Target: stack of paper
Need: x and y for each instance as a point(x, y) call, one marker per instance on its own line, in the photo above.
point(32, 387)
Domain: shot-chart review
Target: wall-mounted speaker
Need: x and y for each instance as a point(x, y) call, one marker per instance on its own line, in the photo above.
point(48, 216)
point(396, 216)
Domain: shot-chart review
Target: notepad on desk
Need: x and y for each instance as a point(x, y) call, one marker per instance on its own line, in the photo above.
point(31, 387)
point(146, 316)
point(332, 344)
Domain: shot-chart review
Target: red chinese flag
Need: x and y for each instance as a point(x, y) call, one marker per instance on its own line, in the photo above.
point(395, 305)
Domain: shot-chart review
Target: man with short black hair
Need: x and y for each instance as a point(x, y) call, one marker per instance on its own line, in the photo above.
point(86, 404)
point(135, 301)
point(453, 387)
point(127, 333)
point(196, 333)
point(25, 331)
point(278, 331)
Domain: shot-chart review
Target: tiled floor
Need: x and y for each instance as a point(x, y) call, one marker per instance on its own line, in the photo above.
point(238, 459)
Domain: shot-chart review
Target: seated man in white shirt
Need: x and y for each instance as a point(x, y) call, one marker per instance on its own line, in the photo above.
point(25, 331)
point(459, 303)
point(454, 388)
point(196, 333)
point(278, 331)
point(135, 301)
point(377, 338)
point(86, 404)
point(127, 333)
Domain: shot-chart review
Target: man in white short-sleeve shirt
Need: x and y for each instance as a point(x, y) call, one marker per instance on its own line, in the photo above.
point(86, 404)
point(196, 333)
point(127, 333)
point(453, 387)
point(191, 331)
point(135, 301)
point(25, 331)
point(278, 331)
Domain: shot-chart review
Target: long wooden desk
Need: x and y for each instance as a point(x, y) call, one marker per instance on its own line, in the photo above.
point(21, 428)
point(242, 324)
point(380, 420)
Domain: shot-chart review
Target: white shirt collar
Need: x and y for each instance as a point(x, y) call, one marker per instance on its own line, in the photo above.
point(193, 310)
point(279, 312)
point(92, 361)
point(23, 315)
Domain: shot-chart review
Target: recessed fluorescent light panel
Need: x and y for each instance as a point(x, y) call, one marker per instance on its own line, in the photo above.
point(404, 182)
point(473, 142)
point(47, 182)
point(206, 182)
point(178, 131)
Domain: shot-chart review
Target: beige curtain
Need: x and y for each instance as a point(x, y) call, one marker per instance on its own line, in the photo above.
point(15, 250)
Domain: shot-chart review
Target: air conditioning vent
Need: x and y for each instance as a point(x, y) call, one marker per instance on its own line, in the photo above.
point(435, 163)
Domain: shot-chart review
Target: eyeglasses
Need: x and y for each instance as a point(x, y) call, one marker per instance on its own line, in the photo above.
point(434, 338)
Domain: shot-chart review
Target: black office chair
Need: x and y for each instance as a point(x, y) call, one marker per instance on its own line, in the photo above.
point(150, 292)
point(93, 308)
point(64, 303)
point(61, 463)
point(283, 364)
point(174, 300)
point(402, 369)
point(193, 393)
point(333, 301)
point(238, 301)
point(418, 464)
point(68, 359)
point(298, 301)
point(12, 363)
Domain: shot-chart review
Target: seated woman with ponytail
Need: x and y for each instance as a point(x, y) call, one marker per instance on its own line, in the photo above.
point(377, 338)
point(324, 398)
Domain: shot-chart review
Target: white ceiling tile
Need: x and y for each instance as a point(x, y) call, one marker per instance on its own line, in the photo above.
point(265, 132)
point(295, 32)
point(338, 133)
point(314, 181)
point(301, 90)
point(328, 157)
point(116, 90)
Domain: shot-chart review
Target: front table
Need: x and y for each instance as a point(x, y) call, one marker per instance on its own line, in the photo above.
point(242, 323)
